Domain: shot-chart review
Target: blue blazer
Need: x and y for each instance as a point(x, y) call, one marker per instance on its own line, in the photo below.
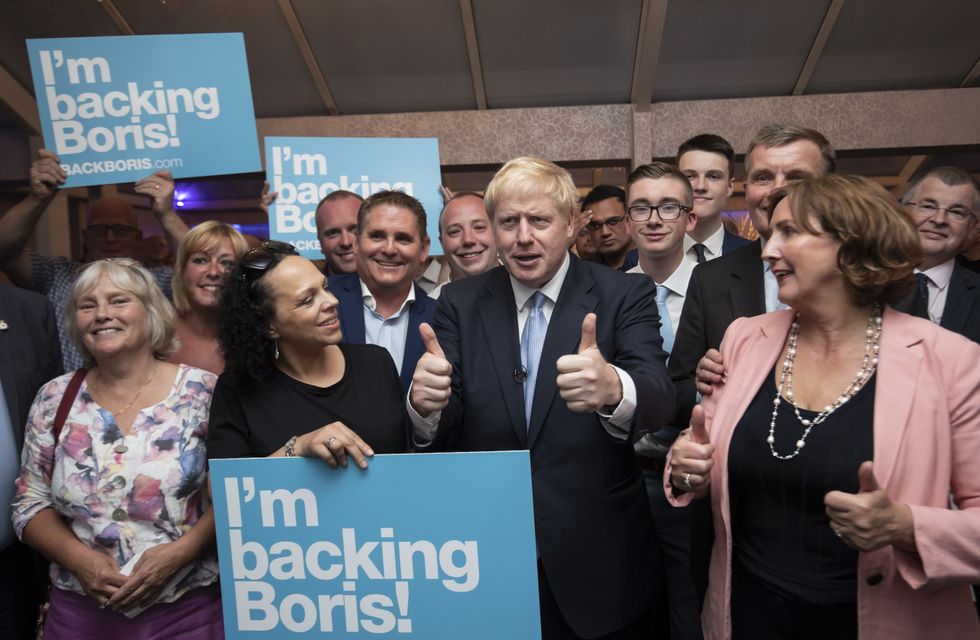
point(592, 516)
point(347, 289)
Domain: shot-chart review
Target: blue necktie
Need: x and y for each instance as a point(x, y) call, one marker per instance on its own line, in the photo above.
point(666, 327)
point(532, 340)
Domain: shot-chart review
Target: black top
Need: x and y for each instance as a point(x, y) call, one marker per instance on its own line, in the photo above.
point(254, 419)
point(780, 530)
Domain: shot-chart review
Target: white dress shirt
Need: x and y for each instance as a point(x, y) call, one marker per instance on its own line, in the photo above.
point(938, 286)
point(390, 332)
point(712, 246)
point(676, 284)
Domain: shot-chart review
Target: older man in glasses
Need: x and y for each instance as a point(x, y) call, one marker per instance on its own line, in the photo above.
point(112, 232)
point(944, 203)
point(610, 236)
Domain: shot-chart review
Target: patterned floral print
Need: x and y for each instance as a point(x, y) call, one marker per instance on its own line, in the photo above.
point(120, 494)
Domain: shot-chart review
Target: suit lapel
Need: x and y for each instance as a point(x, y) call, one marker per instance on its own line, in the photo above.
point(413, 339)
point(352, 311)
point(564, 334)
point(9, 378)
point(498, 315)
point(895, 389)
point(748, 295)
point(959, 300)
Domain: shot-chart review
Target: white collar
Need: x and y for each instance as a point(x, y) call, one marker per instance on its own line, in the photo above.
point(941, 274)
point(372, 304)
point(677, 281)
point(551, 289)
point(712, 243)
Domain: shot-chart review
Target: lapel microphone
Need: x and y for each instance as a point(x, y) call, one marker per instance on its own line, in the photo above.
point(520, 374)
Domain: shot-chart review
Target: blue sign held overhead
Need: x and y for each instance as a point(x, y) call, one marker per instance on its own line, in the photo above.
point(116, 109)
point(432, 546)
point(304, 170)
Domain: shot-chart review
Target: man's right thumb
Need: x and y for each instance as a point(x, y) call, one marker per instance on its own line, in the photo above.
point(430, 341)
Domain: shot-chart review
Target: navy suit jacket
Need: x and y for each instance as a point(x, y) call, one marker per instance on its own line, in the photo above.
point(730, 243)
point(962, 312)
point(592, 517)
point(347, 289)
point(30, 354)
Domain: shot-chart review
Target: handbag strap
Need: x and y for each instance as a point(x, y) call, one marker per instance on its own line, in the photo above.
point(67, 400)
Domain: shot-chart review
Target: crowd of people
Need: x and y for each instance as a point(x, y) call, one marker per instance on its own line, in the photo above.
point(729, 437)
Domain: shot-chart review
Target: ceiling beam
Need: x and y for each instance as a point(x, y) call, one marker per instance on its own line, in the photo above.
point(912, 165)
point(473, 53)
point(117, 17)
point(816, 49)
point(303, 44)
point(19, 101)
point(972, 76)
point(652, 18)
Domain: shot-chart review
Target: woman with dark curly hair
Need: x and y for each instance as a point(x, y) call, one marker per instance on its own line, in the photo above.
point(833, 447)
point(289, 387)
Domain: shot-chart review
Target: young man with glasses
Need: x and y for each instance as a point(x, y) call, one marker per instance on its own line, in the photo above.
point(943, 203)
point(112, 232)
point(661, 213)
point(607, 227)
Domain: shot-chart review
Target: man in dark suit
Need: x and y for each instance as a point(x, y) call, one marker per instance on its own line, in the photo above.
point(944, 203)
point(380, 304)
point(29, 357)
point(740, 283)
point(735, 285)
point(562, 357)
point(708, 161)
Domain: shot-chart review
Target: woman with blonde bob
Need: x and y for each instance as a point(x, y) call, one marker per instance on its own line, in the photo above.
point(113, 482)
point(205, 257)
point(831, 450)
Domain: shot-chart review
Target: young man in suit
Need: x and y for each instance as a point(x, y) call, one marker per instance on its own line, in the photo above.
point(708, 161)
point(572, 353)
point(661, 207)
point(380, 304)
point(944, 203)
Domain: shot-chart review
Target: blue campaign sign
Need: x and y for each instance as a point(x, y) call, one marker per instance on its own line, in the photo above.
point(433, 546)
point(116, 109)
point(304, 170)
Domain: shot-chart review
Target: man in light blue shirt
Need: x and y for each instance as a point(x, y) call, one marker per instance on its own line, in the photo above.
point(380, 304)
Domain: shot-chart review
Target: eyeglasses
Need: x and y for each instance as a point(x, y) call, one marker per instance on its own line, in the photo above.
point(596, 225)
point(265, 256)
point(667, 211)
point(929, 209)
point(120, 230)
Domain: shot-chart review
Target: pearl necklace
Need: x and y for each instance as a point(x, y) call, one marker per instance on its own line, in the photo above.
point(868, 366)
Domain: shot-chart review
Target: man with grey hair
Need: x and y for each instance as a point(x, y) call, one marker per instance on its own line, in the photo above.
point(944, 203)
point(563, 358)
point(737, 284)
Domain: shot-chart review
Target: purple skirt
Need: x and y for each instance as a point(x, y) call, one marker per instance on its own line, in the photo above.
point(194, 616)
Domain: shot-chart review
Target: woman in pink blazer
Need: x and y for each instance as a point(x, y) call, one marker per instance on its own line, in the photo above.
point(832, 448)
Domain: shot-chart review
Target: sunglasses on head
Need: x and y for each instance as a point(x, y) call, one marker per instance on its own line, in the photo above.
point(265, 256)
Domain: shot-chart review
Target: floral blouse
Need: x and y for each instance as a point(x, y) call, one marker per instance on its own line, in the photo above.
point(120, 494)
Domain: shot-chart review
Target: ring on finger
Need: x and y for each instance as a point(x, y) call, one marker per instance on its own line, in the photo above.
point(330, 440)
point(687, 481)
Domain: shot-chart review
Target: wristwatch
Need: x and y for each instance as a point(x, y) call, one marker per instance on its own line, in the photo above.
point(290, 448)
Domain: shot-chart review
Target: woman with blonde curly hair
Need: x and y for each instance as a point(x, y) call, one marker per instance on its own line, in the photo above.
point(831, 450)
point(205, 257)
